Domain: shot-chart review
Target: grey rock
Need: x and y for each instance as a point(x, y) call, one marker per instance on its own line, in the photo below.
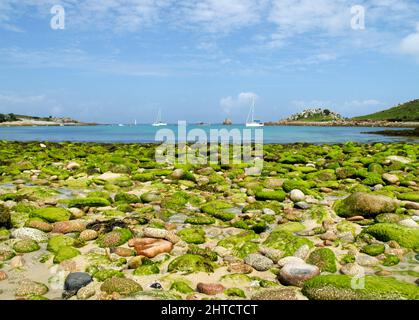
point(259, 262)
point(30, 233)
point(296, 274)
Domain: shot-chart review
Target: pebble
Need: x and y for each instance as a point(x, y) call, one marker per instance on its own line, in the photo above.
point(290, 260)
point(28, 287)
point(296, 274)
point(76, 280)
point(239, 267)
point(210, 288)
point(30, 233)
point(160, 234)
point(3, 275)
point(17, 262)
point(156, 285)
point(40, 225)
point(302, 252)
point(86, 293)
point(69, 226)
point(356, 218)
point(411, 205)
point(352, 269)
point(259, 262)
point(72, 166)
point(366, 260)
point(302, 205)
point(268, 211)
point(383, 273)
point(272, 254)
point(409, 223)
point(297, 195)
point(252, 171)
point(88, 235)
point(329, 235)
point(390, 178)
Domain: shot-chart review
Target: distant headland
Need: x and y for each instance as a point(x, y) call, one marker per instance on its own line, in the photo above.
point(14, 120)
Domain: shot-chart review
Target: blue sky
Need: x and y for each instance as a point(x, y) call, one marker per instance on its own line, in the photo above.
point(120, 60)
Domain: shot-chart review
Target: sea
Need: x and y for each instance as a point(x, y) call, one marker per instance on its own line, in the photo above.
point(145, 133)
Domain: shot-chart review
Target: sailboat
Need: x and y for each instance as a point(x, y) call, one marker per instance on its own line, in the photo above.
point(158, 122)
point(250, 121)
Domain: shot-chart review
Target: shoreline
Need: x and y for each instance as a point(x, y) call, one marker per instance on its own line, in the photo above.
point(385, 124)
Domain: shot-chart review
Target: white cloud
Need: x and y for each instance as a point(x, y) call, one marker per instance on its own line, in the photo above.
point(362, 103)
point(243, 99)
point(410, 44)
point(20, 99)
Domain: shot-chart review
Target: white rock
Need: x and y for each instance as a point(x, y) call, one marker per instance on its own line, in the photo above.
point(302, 252)
point(297, 195)
point(42, 145)
point(109, 176)
point(253, 171)
point(399, 159)
point(366, 260)
point(352, 269)
point(287, 260)
point(297, 274)
point(73, 165)
point(409, 223)
point(390, 178)
point(30, 233)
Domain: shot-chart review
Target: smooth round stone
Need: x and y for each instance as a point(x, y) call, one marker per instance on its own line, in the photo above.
point(28, 287)
point(156, 285)
point(177, 174)
point(297, 274)
point(268, 211)
point(352, 269)
point(85, 293)
point(259, 262)
point(88, 235)
point(409, 223)
point(302, 252)
point(297, 195)
point(366, 260)
point(302, 205)
point(290, 260)
point(390, 178)
point(30, 233)
point(239, 267)
point(76, 281)
point(210, 288)
point(178, 218)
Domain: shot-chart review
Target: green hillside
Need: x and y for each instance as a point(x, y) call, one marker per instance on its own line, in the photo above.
point(405, 112)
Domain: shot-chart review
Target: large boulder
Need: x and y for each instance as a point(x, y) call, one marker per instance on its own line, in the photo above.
point(364, 204)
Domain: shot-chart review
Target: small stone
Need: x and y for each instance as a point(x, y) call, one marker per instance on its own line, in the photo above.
point(329, 235)
point(352, 269)
point(356, 218)
point(76, 213)
point(297, 274)
point(297, 195)
point(42, 145)
point(399, 159)
point(156, 285)
point(76, 280)
point(3, 275)
point(135, 262)
point(86, 293)
point(290, 260)
point(69, 226)
point(239, 267)
point(177, 174)
point(302, 252)
point(302, 205)
point(390, 178)
point(210, 288)
point(259, 262)
point(160, 234)
point(383, 273)
point(28, 287)
point(121, 286)
point(409, 223)
point(30, 233)
point(366, 260)
point(72, 166)
point(273, 254)
point(17, 262)
point(123, 252)
point(411, 205)
point(88, 235)
point(40, 225)
point(150, 247)
point(252, 171)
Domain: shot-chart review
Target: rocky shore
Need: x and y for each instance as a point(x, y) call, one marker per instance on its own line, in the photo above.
point(28, 122)
point(345, 123)
point(93, 221)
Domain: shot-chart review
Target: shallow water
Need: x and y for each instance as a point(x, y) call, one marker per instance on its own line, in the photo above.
point(147, 133)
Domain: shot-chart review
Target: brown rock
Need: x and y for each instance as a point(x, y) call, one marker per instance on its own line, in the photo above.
point(88, 235)
point(210, 288)
point(3, 275)
point(69, 226)
point(329, 235)
point(150, 247)
point(356, 218)
point(40, 225)
point(123, 252)
point(239, 267)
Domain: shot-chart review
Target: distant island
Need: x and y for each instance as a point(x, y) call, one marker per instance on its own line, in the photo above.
point(23, 120)
point(403, 115)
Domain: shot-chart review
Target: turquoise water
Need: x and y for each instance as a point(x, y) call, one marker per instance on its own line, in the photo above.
point(146, 133)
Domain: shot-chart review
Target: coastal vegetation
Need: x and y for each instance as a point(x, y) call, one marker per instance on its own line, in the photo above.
point(408, 111)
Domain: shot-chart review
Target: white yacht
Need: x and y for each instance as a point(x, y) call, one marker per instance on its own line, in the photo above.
point(251, 122)
point(158, 122)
